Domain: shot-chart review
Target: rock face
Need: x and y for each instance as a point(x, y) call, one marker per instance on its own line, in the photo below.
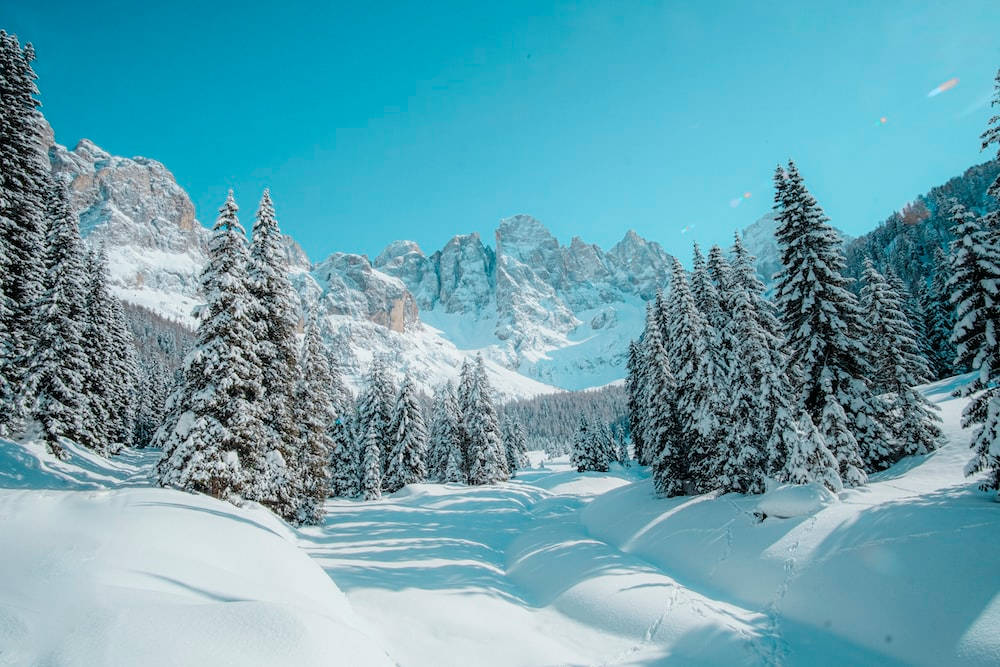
point(544, 315)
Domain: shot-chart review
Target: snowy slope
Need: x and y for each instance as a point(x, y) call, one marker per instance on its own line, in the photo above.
point(98, 569)
point(554, 567)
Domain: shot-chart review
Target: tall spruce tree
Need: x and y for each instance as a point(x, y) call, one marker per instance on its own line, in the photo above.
point(978, 304)
point(408, 441)
point(371, 464)
point(100, 352)
point(345, 476)
point(274, 313)
point(898, 367)
point(313, 414)
point(23, 193)
point(939, 318)
point(213, 445)
point(444, 431)
point(375, 412)
point(809, 460)
point(55, 381)
point(822, 319)
point(635, 389)
point(486, 456)
point(515, 445)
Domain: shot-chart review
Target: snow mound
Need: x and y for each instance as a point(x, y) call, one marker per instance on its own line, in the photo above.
point(125, 576)
point(787, 501)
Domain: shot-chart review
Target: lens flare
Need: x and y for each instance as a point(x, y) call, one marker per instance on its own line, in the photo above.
point(947, 85)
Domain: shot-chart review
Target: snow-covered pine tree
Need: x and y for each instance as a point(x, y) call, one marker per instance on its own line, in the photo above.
point(442, 436)
point(213, 445)
point(706, 294)
point(154, 390)
point(274, 313)
point(54, 384)
point(898, 367)
point(486, 456)
point(840, 439)
point(515, 445)
point(313, 414)
point(580, 453)
point(345, 477)
point(980, 313)
point(125, 372)
point(694, 415)
point(371, 464)
point(466, 395)
point(809, 460)
point(659, 421)
point(621, 446)
point(408, 444)
point(100, 381)
point(635, 388)
point(822, 320)
point(375, 411)
point(23, 185)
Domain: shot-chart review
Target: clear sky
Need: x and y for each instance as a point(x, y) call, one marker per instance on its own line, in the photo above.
point(373, 121)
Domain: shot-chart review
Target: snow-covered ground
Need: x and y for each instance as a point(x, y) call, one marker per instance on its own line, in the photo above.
point(552, 568)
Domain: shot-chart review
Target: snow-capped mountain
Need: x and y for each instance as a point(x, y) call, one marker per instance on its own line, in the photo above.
point(543, 314)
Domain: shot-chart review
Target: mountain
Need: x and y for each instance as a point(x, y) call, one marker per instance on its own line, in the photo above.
point(545, 316)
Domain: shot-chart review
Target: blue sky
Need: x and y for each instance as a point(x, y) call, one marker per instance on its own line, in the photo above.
point(373, 121)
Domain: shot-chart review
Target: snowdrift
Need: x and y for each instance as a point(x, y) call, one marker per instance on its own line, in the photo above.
point(100, 572)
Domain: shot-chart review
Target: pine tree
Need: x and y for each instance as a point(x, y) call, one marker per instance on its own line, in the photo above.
point(100, 383)
point(274, 313)
point(371, 464)
point(898, 367)
point(375, 412)
point(345, 475)
point(125, 372)
point(313, 413)
point(978, 312)
point(487, 459)
point(23, 194)
point(444, 431)
point(809, 460)
point(515, 445)
point(54, 385)
point(621, 447)
point(939, 319)
point(408, 444)
point(840, 440)
point(153, 393)
point(635, 388)
point(659, 423)
point(214, 444)
point(580, 455)
point(822, 319)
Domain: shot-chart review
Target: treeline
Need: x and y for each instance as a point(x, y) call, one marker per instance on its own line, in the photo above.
point(552, 420)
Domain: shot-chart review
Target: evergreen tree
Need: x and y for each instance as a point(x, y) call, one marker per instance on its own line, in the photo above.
point(54, 385)
point(23, 195)
point(635, 387)
point(978, 311)
point(898, 367)
point(154, 390)
point(213, 445)
point(124, 373)
point(809, 460)
point(840, 440)
point(621, 447)
point(408, 444)
point(371, 464)
point(515, 446)
point(274, 314)
point(444, 431)
point(939, 319)
point(375, 412)
point(487, 459)
point(100, 381)
point(581, 455)
point(345, 475)
point(313, 413)
point(659, 423)
point(822, 319)
point(466, 407)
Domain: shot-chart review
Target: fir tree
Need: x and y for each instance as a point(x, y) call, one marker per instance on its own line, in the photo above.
point(822, 319)
point(444, 431)
point(345, 475)
point(153, 393)
point(939, 319)
point(213, 445)
point(313, 413)
point(371, 464)
point(898, 367)
point(487, 459)
point(408, 444)
point(515, 445)
point(581, 455)
point(101, 355)
point(375, 412)
point(635, 387)
point(124, 372)
point(23, 194)
point(274, 313)
point(840, 440)
point(55, 380)
point(809, 460)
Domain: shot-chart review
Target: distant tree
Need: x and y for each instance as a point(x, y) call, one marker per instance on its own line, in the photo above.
point(408, 443)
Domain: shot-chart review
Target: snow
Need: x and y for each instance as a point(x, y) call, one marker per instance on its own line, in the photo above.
point(789, 500)
point(131, 575)
point(553, 567)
